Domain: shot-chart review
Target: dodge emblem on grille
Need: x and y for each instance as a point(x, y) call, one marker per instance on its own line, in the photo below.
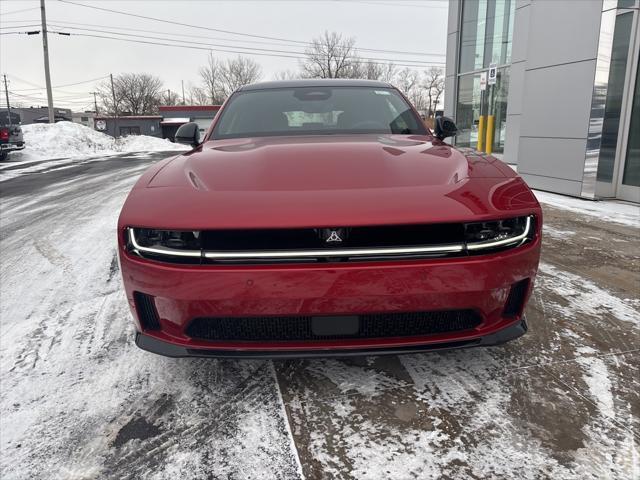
point(332, 235)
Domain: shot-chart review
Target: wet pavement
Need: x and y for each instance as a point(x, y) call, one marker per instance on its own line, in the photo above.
point(80, 401)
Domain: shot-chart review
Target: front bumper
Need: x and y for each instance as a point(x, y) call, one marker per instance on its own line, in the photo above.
point(182, 293)
point(10, 147)
point(154, 345)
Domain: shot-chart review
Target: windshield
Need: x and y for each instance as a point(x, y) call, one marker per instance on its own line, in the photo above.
point(316, 111)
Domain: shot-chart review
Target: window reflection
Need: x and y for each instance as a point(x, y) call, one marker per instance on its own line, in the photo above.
point(474, 103)
point(632, 164)
point(613, 104)
point(487, 31)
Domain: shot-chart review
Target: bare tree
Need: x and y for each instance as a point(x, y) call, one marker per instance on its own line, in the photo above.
point(211, 76)
point(330, 56)
point(370, 70)
point(237, 72)
point(135, 94)
point(198, 96)
point(286, 75)
point(434, 87)
point(388, 72)
point(170, 98)
point(220, 79)
point(406, 80)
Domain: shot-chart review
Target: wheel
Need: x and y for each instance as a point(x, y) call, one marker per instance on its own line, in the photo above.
point(3, 155)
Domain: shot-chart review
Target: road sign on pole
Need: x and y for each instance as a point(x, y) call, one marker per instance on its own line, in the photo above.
point(493, 74)
point(483, 80)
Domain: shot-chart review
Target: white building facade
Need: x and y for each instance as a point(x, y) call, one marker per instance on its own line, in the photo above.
point(564, 104)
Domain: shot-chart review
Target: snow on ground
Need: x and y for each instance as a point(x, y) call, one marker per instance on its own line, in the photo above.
point(585, 299)
point(66, 139)
point(78, 398)
point(65, 144)
point(608, 210)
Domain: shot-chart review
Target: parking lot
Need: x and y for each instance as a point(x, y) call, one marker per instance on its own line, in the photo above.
point(80, 401)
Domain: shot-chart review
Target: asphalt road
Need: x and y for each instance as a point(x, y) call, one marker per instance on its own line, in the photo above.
point(79, 401)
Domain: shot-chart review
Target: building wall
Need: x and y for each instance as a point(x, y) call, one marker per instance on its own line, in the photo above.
point(28, 115)
point(203, 115)
point(569, 91)
point(84, 118)
point(451, 72)
point(553, 70)
point(147, 126)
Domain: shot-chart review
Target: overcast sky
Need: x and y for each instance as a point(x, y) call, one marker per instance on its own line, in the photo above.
point(400, 25)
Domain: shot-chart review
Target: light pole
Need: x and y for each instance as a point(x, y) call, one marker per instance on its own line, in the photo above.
point(47, 73)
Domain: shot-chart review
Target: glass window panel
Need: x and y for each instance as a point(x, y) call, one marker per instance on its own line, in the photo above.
point(632, 160)
point(497, 106)
point(498, 31)
point(468, 110)
point(472, 102)
point(509, 40)
point(613, 104)
point(472, 38)
point(626, 3)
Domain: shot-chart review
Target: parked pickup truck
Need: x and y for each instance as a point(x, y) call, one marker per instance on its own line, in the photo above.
point(11, 138)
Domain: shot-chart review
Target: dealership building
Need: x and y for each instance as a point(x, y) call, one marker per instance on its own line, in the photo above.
point(551, 87)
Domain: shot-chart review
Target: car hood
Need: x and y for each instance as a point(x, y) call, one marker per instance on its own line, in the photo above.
point(320, 163)
point(318, 181)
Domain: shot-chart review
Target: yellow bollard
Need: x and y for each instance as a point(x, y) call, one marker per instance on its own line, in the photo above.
point(488, 144)
point(480, 132)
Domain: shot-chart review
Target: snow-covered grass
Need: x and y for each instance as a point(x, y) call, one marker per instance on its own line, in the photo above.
point(67, 140)
point(608, 210)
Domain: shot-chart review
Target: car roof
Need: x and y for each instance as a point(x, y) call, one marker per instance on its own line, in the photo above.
point(314, 82)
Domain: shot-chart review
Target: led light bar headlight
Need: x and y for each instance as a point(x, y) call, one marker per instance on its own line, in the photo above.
point(165, 242)
point(499, 233)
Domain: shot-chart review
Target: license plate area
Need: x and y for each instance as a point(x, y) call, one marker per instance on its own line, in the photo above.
point(337, 325)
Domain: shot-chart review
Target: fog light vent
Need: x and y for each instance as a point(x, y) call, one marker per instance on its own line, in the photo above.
point(515, 301)
point(147, 312)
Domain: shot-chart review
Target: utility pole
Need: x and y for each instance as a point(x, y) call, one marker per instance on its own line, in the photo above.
point(95, 102)
point(183, 102)
point(47, 73)
point(6, 92)
point(115, 108)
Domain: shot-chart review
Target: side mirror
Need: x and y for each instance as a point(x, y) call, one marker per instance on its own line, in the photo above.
point(444, 127)
point(189, 134)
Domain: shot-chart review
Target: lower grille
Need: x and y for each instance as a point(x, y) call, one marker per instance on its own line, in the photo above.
point(515, 301)
point(147, 312)
point(299, 328)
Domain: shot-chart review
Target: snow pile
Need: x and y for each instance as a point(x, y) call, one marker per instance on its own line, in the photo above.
point(67, 139)
point(609, 210)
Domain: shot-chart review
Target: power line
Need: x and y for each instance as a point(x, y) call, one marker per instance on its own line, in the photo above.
point(55, 86)
point(209, 49)
point(41, 99)
point(64, 22)
point(229, 32)
point(243, 50)
point(20, 26)
point(18, 11)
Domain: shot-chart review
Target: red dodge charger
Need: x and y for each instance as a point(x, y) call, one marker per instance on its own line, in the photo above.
point(321, 217)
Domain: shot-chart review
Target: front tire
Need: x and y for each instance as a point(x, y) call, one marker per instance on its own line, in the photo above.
point(3, 155)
